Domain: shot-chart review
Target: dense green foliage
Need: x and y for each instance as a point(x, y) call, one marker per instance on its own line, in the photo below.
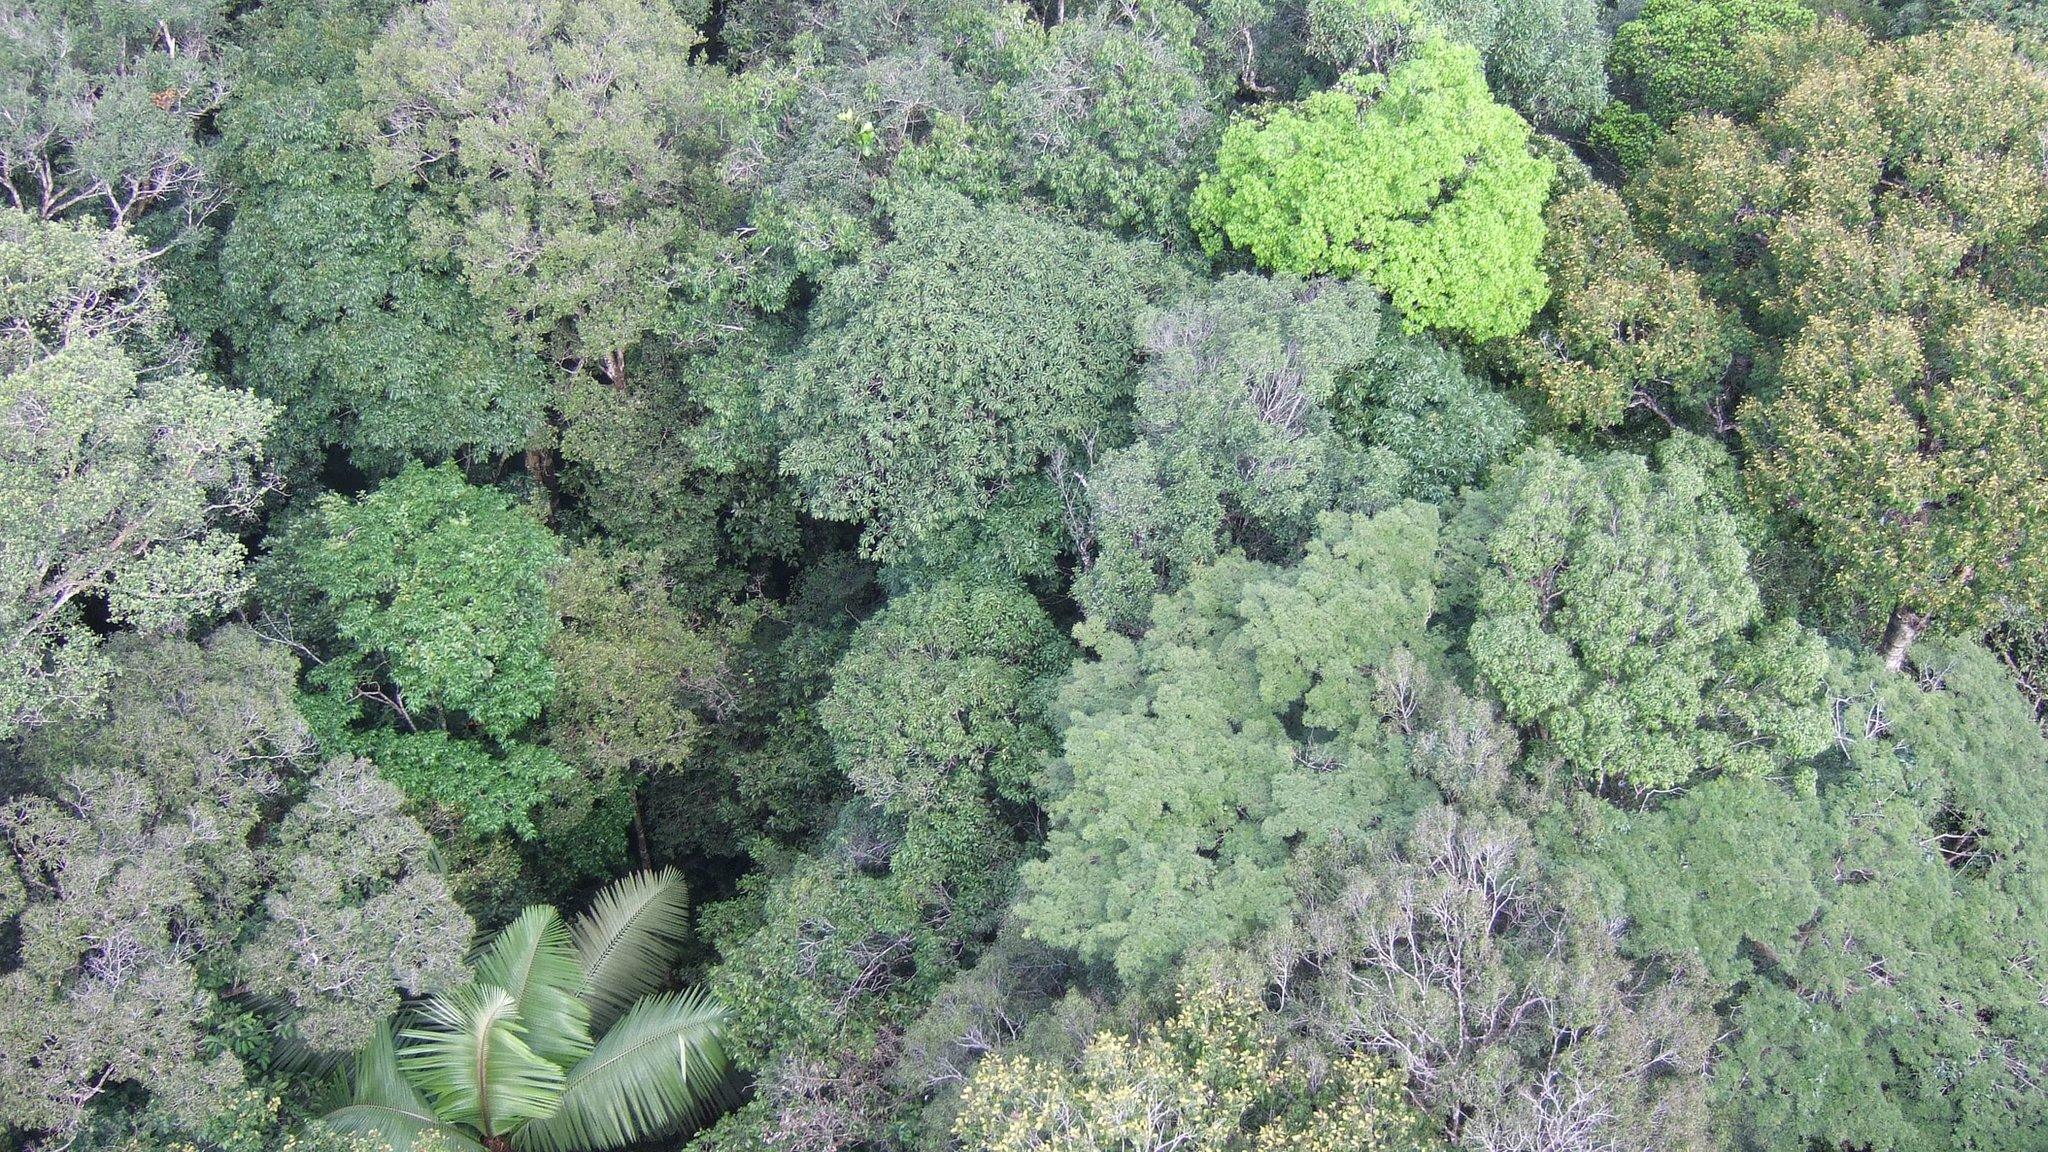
point(148, 918)
point(1415, 180)
point(124, 472)
point(1181, 787)
point(1170, 575)
point(1614, 609)
point(940, 374)
point(426, 604)
point(1200, 1082)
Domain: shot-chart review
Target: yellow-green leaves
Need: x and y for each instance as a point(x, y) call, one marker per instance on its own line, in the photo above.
point(1415, 180)
point(1211, 1079)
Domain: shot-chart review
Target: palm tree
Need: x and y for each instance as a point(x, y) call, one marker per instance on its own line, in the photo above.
point(507, 1060)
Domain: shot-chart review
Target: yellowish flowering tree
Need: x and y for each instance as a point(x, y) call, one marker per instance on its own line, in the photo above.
point(1212, 1078)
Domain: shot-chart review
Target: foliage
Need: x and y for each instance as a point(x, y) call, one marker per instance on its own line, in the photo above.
point(683, 462)
point(1235, 442)
point(1544, 58)
point(1182, 783)
point(1679, 56)
point(687, 433)
point(638, 679)
point(353, 910)
point(104, 105)
point(333, 312)
point(1415, 180)
point(1625, 134)
point(1112, 111)
point(122, 470)
point(1615, 610)
point(1263, 402)
point(1623, 330)
point(1872, 938)
point(940, 373)
point(1413, 400)
point(561, 146)
point(1907, 16)
point(427, 598)
point(937, 714)
point(768, 771)
point(508, 1058)
point(1206, 1079)
point(1448, 948)
point(823, 967)
point(143, 899)
point(822, 154)
point(1898, 427)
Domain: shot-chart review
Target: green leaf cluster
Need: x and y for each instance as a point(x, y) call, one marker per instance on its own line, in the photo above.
point(1415, 180)
point(1614, 610)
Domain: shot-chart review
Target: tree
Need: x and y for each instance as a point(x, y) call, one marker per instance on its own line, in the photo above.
point(1208, 1079)
point(560, 1040)
point(1415, 180)
point(1679, 56)
point(683, 463)
point(1623, 331)
point(766, 773)
point(1243, 721)
point(639, 680)
point(124, 470)
point(1235, 440)
point(1414, 400)
point(1262, 402)
point(821, 153)
point(1890, 263)
point(564, 148)
point(1445, 945)
point(331, 309)
point(824, 965)
point(1615, 612)
point(103, 108)
point(840, 33)
point(149, 918)
point(353, 910)
point(1544, 58)
point(938, 714)
point(1111, 108)
point(1908, 16)
point(424, 607)
point(1871, 941)
point(938, 375)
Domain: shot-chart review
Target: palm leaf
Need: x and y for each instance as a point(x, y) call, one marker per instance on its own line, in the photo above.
point(472, 1059)
point(384, 1105)
point(657, 1069)
point(628, 939)
point(534, 959)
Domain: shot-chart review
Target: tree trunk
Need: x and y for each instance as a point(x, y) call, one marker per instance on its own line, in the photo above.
point(1899, 634)
point(540, 467)
point(640, 833)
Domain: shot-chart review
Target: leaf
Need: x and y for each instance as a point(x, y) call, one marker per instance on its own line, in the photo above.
point(384, 1105)
point(660, 1067)
point(534, 959)
point(473, 1061)
point(628, 939)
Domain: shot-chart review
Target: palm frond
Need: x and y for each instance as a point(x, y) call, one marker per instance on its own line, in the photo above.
point(628, 939)
point(657, 1069)
point(471, 1058)
point(534, 959)
point(385, 1106)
